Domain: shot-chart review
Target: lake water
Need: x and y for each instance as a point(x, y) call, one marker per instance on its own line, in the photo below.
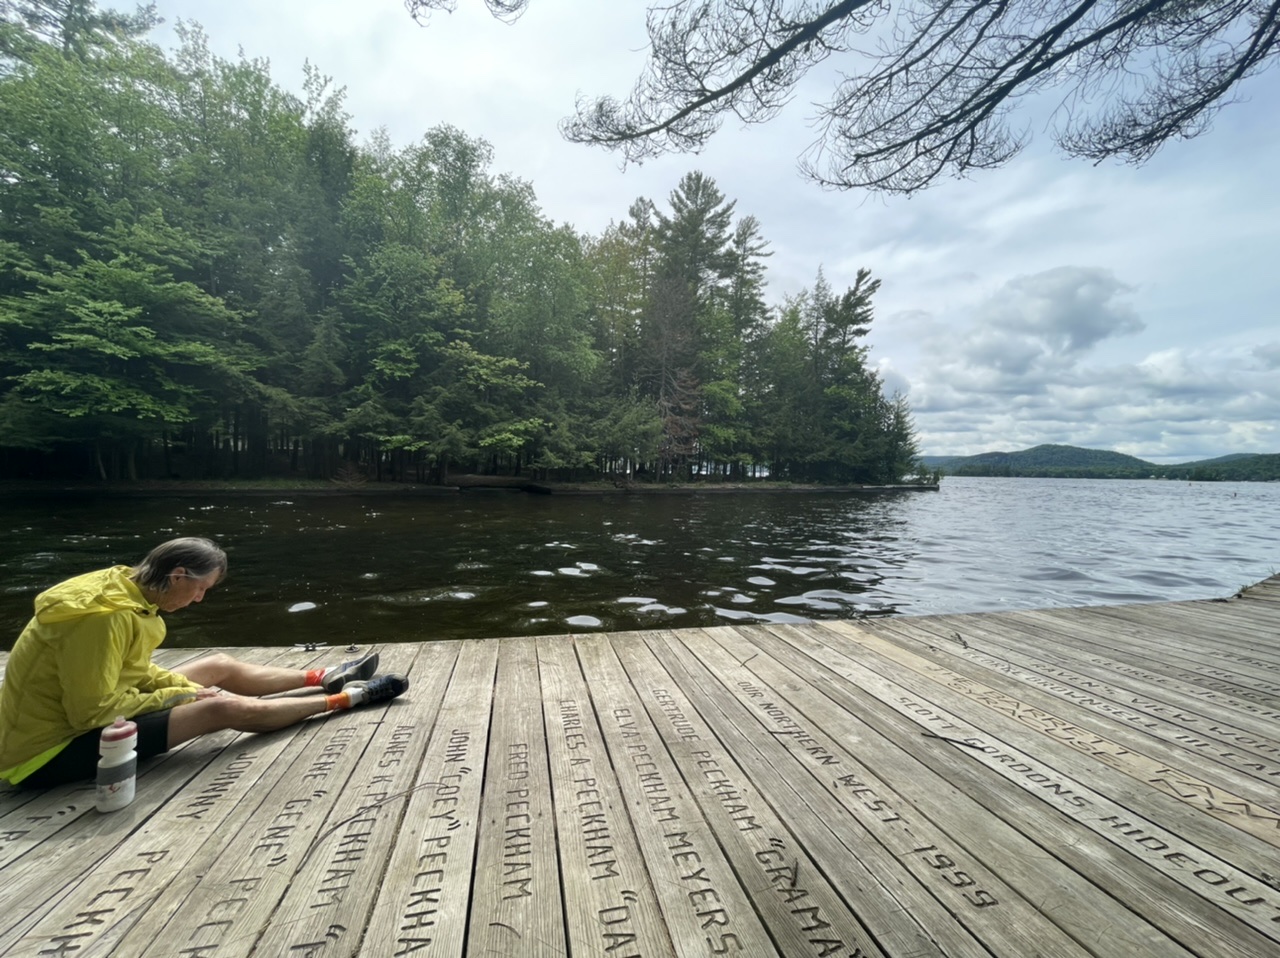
point(353, 569)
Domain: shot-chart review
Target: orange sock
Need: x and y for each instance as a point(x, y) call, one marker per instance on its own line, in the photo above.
point(340, 700)
point(314, 676)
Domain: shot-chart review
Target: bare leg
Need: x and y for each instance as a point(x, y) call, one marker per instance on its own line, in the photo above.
point(243, 678)
point(240, 713)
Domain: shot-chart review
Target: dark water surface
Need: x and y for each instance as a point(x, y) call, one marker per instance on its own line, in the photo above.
point(356, 569)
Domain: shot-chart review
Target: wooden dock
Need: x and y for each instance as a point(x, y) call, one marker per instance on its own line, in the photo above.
point(1075, 782)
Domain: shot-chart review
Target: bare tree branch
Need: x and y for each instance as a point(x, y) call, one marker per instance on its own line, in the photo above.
point(773, 49)
point(936, 98)
point(508, 11)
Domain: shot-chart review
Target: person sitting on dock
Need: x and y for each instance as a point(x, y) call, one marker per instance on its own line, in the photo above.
point(85, 658)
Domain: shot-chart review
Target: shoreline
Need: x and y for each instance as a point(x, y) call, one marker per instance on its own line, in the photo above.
point(458, 485)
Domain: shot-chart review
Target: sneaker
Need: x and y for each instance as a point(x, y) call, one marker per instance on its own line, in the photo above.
point(337, 677)
point(380, 688)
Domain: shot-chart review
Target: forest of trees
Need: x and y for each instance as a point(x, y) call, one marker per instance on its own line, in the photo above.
point(203, 275)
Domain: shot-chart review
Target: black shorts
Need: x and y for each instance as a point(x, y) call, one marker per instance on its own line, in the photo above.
point(79, 760)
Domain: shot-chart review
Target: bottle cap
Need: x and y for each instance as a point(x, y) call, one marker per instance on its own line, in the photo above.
point(120, 730)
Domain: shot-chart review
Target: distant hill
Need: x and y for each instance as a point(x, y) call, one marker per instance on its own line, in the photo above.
point(1074, 462)
point(1234, 457)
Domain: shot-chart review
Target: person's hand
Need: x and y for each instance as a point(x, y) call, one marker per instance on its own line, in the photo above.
point(208, 692)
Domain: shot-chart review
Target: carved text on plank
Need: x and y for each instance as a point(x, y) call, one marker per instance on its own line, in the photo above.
point(672, 710)
point(593, 818)
point(222, 783)
point(707, 906)
point(714, 919)
point(104, 905)
point(421, 911)
point(618, 927)
point(730, 795)
point(952, 870)
point(1193, 867)
point(517, 827)
point(1140, 715)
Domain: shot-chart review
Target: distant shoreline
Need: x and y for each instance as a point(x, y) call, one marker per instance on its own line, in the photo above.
point(1076, 462)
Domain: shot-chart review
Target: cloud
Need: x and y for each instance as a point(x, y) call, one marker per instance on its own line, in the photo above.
point(1027, 366)
point(1268, 355)
point(1031, 333)
point(1176, 374)
point(1063, 311)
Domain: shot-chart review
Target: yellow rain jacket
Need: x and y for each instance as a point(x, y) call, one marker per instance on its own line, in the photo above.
point(82, 660)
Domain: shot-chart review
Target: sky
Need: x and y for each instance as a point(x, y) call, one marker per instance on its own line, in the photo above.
point(1048, 301)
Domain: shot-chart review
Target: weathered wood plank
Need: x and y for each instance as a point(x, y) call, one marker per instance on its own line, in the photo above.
point(610, 902)
point(1088, 755)
point(1144, 692)
point(1083, 637)
point(703, 902)
point(1094, 628)
point(1184, 687)
point(119, 889)
point(1236, 624)
point(1227, 766)
point(1205, 643)
point(517, 892)
point(421, 907)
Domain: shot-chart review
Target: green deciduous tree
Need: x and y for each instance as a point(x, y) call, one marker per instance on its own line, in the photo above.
point(113, 350)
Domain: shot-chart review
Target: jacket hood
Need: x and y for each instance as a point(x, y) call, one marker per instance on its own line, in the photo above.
point(106, 590)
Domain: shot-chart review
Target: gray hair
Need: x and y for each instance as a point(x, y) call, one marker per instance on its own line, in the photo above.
point(199, 557)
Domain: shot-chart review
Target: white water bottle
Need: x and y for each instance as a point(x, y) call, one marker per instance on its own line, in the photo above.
point(118, 767)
